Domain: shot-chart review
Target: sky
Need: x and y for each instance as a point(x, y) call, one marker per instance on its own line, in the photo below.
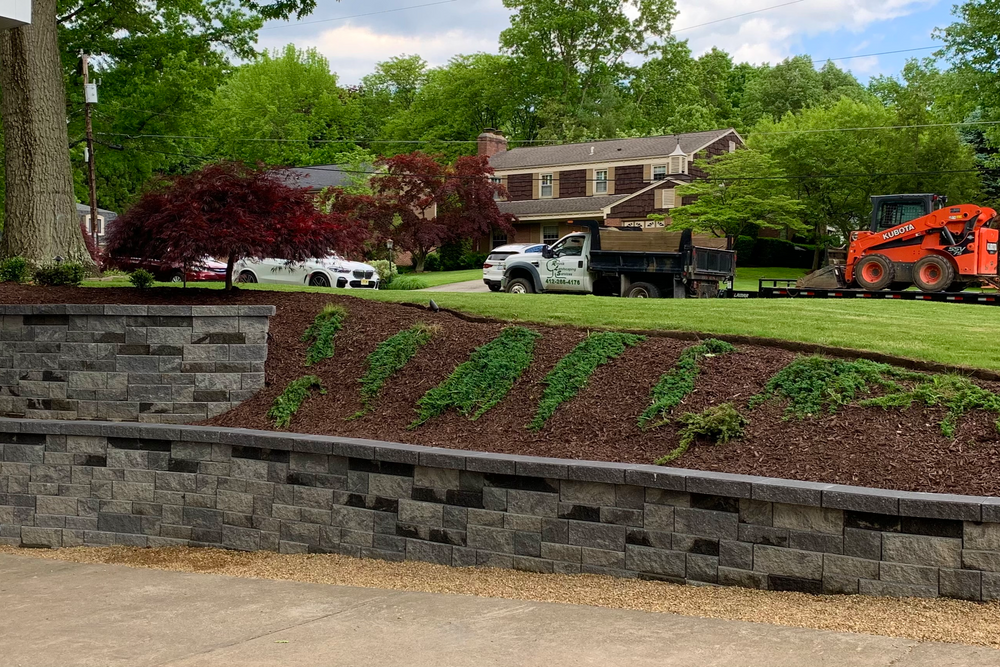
point(356, 34)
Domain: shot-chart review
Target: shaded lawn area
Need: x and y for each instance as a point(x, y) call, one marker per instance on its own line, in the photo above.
point(747, 277)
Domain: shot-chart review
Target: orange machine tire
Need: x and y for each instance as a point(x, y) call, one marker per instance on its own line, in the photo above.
point(933, 273)
point(874, 272)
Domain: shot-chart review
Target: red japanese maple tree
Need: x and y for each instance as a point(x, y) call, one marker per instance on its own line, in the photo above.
point(421, 203)
point(230, 211)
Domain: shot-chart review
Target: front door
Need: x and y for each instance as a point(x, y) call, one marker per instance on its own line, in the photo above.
point(565, 270)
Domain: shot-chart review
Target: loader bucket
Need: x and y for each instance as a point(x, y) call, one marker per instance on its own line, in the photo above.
point(829, 277)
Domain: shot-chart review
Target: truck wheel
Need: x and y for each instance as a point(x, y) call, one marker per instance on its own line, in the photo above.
point(642, 291)
point(933, 274)
point(520, 286)
point(494, 287)
point(874, 272)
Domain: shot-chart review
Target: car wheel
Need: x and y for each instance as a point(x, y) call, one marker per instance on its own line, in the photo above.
point(176, 277)
point(494, 287)
point(520, 286)
point(642, 291)
point(246, 277)
point(319, 280)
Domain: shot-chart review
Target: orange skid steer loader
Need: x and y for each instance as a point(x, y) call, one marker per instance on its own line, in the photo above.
point(918, 240)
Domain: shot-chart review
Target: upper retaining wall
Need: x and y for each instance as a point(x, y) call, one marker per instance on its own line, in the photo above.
point(165, 364)
point(73, 483)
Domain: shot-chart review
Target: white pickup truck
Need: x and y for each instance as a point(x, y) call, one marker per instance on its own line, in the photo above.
point(609, 261)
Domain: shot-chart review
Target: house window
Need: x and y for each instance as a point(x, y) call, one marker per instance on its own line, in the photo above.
point(732, 146)
point(660, 172)
point(96, 230)
point(496, 180)
point(499, 238)
point(546, 189)
point(550, 234)
point(669, 199)
point(678, 164)
point(601, 182)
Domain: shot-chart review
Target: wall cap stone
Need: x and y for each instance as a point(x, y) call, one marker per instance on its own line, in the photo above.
point(130, 309)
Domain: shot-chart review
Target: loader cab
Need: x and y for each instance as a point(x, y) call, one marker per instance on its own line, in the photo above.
point(890, 211)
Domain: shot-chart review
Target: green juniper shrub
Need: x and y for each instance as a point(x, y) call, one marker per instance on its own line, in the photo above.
point(141, 279)
point(404, 283)
point(291, 399)
point(67, 273)
point(717, 424)
point(957, 394)
point(574, 370)
point(678, 382)
point(812, 384)
point(14, 270)
point(482, 381)
point(321, 332)
point(389, 358)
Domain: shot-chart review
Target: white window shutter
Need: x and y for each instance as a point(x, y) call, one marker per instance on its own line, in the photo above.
point(669, 199)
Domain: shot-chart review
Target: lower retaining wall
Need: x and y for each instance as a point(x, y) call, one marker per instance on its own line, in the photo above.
point(87, 483)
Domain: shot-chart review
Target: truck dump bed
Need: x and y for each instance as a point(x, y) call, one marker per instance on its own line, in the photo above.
point(661, 252)
point(659, 241)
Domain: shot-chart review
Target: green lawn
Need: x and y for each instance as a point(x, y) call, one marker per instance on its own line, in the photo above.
point(948, 333)
point(435, 278)
point(747, 277)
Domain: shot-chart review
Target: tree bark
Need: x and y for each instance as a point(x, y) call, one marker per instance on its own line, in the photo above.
point(41, 219)
point(230, 264)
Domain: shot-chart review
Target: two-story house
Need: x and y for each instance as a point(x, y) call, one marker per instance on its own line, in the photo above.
point(618, 181)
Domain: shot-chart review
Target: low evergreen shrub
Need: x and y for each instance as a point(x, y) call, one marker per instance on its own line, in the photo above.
point(678, 382)
point(718, 425)
point(957, 394)
point(389, 358)
point(291, 399)
point(404, 282)
point(14, 270)
point(54, 275)
point(321, 332)
point(141, 279)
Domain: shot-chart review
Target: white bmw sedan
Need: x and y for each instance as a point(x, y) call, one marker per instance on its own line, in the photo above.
point(331, 271)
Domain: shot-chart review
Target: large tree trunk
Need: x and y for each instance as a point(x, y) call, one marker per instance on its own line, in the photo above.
point(41, 219)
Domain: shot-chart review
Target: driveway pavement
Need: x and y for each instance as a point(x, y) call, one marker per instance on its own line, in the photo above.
point(67, 614)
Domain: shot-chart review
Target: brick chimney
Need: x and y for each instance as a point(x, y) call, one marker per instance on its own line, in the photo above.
point(491, 142)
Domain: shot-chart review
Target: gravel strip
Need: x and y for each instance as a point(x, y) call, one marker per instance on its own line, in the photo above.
point(918, 619)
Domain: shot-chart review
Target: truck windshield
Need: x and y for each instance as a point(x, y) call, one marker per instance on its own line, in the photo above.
point(571, 246)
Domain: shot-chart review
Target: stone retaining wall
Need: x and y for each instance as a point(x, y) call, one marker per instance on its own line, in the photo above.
point(80, 483)
point(164, 364)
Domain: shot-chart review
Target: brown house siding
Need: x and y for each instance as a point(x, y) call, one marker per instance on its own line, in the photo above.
point(573, 183)
point(636, 207)
point(628, 179)
point(714, 149)
point(519, 186)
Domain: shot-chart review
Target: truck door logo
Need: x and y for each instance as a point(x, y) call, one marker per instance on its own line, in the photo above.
point(893, 233)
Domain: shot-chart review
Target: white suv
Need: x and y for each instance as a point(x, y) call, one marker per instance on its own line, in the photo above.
point(494, 267)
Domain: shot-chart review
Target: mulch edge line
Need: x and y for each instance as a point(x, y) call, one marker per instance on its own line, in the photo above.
point(778, 343)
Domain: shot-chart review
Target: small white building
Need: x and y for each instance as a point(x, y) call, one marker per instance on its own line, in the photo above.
point(14, 13)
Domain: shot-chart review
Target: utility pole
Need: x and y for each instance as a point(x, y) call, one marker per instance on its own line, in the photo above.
point(90, 97)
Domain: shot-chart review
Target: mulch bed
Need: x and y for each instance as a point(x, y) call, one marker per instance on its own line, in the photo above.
point(862, 446)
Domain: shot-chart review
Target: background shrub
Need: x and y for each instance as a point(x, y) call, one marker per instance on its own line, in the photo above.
point(405, 282)
point(14, 270)
point(141, 279)
point(67, 273)
point(773, 252)
point(386, 270)
point(432, 262)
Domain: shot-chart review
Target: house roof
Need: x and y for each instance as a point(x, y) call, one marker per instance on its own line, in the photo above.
point(321, 176)
point(563, 206)
point(611, 150)
point(84, 209)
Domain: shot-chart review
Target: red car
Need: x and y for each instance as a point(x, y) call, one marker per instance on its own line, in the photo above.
point(205, 269)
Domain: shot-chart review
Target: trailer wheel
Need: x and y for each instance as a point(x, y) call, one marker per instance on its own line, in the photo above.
point(643, 291)
point(520, 286)
point(874, 272)
point(933, 274)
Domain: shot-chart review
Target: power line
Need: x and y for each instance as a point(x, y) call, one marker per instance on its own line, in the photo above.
point(870, 55)
point(736, 16)
point(880, 127)
point(356, 16)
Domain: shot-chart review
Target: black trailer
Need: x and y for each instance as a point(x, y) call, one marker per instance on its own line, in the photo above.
point(783, 288)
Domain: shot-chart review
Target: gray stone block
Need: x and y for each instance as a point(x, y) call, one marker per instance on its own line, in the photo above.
point(49, 537)
point(757, 512)
point(991, 586)
point(587, 493)
point(436, 478)
point(420, 513)
point(838, 584)
point(863, 543)
point(787, 562)
point(922, 550)
point(528, 564)
point(743, 578)
point(490, 518)
point(243, 539)
point(621, 516)
point(658, 517)
point(656, 477)
point(354, 518)
point(631, 497)
point(737, 555)
point(655, 561)
point(940, 506)
point(597, 471)
point(596, 535)
point(390, 486)
point(981, 536)
point(536, 503)
point(602, 558)
point(201, 517)
point(848, 566)
point(706, 523)
point(895, 590)
point(718, 484)
point(860, 499)
point(429, 552)
point(702, 568)
point(811, 519)
point(561, 552)
point(908, 574)
point(531, 524)
point(486, 538)
point(960, 584)
point(821, 542)
point(532, 466)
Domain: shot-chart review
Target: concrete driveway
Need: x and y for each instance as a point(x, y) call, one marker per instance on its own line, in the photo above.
point(63, 614)
point(465, 286)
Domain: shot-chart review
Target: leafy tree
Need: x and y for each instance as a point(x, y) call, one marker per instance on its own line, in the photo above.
point(739, 199)
point(230, 211)
point(574, 51)
point(287, 101)
point(421, 203)
point(793, 85)
point(41, 219)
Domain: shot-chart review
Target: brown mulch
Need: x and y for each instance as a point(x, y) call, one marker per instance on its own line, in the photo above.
point(862, 446)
